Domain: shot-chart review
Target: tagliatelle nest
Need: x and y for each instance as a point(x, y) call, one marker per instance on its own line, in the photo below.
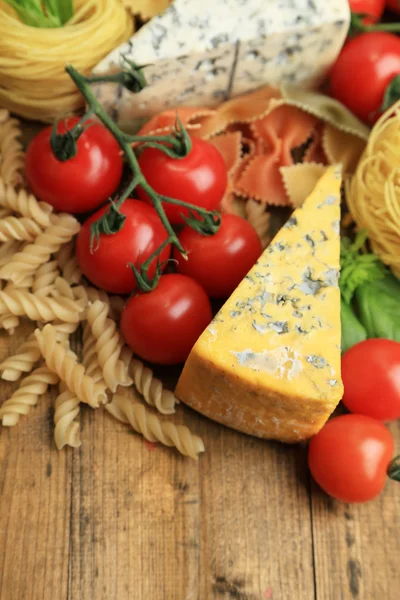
point(373, 194)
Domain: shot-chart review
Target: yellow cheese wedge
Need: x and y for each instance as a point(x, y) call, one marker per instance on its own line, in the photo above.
point(269, 363)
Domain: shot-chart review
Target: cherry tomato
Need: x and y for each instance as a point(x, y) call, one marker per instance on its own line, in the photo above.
point(81, 183)
point(371, 378)
point(373, 8)
point(348, 458)
point(200, 178)
point(362, 72)
point(162, 326)
point(107, 264)
point(220, 261)
point(393, 5)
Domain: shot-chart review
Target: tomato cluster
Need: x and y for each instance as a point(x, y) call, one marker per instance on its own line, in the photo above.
point(161, 325)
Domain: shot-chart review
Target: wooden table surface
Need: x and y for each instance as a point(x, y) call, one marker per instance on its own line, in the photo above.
point(121, 519)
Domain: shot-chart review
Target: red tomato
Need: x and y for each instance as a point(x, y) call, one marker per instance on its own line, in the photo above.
point(220, 261)
point(81, 183)
point(162, 326)
point(374, 8)
point(362, 72)
point(348, 458)
point(371, 378)
point(393, 5)
point(107, 265)
point(200, 178)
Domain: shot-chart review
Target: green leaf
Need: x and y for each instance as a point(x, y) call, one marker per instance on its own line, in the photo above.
point(46, 14)
point(392, 93)
point(379, 307)
point(353, 331)
point(356, 268)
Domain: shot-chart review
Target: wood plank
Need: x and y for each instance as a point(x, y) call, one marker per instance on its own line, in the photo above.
point(357, 546)
point(118, 518)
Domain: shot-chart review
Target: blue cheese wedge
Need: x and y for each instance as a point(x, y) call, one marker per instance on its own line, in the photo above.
point(269, 363)
point(201, 53)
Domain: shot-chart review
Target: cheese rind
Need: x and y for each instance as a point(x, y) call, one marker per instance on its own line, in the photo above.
point(269, 363)
point(203, 53)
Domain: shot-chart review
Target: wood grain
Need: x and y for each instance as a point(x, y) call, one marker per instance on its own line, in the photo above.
point(122, 519)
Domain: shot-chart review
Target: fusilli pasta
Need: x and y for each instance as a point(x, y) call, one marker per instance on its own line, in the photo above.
point(151, 388)
point(68, 369)
point(109, 345)
point(19, 303)
point(44, 278)
point(24, 204)
point(89, 356)
point(152, 428)
point(66, 427)
point(12, 156)
point(7, 250)
point(68, 263)
point(27, 395)
point(62, 229)
point(259, 218)
point(22, 361)
point(21, 229)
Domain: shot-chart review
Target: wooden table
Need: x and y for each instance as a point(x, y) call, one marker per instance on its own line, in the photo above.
point(119, 519)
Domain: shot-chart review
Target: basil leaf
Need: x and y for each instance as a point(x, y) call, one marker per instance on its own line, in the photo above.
point(379, 307)
point(352, 330)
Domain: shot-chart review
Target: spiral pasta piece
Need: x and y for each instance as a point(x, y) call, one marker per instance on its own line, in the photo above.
point(12, 156)
point(151, 388)
point(68, 263)
point(22, 229)
point(5, 212)
point(45, 278)
point(21, 303)
point(152, 428)
point(7, 250)
point(67, 408)
point(259, 218)
point(109, 345)
point(62, 229)
point(24, 204)
point(89, 356)
point(68, 369)
point(23, 361)
point(27, 395)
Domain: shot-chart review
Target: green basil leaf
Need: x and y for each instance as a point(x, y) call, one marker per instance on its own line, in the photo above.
point(379, 307)
point(352, 330)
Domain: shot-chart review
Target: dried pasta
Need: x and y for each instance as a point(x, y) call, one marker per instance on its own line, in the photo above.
point(23, 361)
point(68, 369)
point(259, 218)
point(123, 408)
point(109, 345)
point(7, 250)
point(21, 229)
point(27, 395)
point(12, 156)
point(373, 195)
point(45, 278)
point(62, 229)
point(20, 303)
point(89, 357)
point(151, 388)
point(66, 425)
point(68, 263)
point(25, 204)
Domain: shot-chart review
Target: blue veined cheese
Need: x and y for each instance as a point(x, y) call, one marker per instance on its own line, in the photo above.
point(201, 52)
point(269, 363)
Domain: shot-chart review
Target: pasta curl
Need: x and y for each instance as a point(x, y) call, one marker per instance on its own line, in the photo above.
point(68, 369)
point(27, 395)
point(62, 229)
point(22, 361)
point(20, 303)
point(89, 357)
point(67, 408)
point(12, 156)
point(24, 204)
point(109, 345)
point(22, 229)
point(68, 263)
point(152, 428)
point(151, 388)
point(45, 278)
